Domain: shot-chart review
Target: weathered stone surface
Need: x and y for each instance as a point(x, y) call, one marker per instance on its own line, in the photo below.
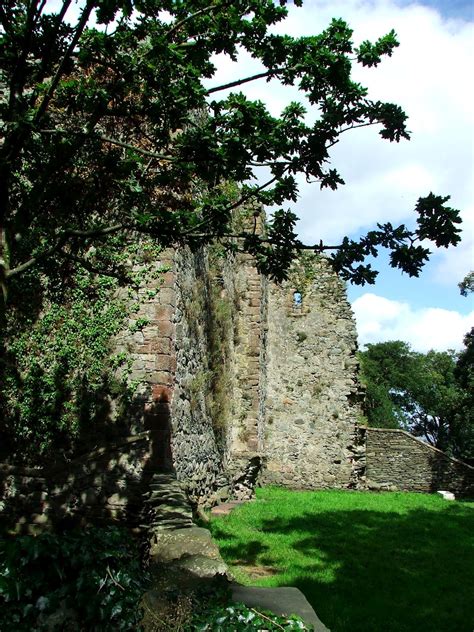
point(201, 566)
point(287, 413)
point(224, 509)
point(173, 545)
point(311, 406)
point(446, 495)
point(105, 484)
point(282, 601)
point(397, 460)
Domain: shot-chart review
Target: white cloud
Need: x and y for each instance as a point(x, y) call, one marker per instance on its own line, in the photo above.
point(380, 319)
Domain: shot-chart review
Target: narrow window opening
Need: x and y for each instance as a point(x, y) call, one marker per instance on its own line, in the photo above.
point(297, 299)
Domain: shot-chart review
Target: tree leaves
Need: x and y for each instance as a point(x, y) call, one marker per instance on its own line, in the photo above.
point(116, 126)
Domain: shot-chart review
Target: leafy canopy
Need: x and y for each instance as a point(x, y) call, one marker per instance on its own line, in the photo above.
point(110, 129)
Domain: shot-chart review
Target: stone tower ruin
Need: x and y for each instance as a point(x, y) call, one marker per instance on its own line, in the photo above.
point(242, 380)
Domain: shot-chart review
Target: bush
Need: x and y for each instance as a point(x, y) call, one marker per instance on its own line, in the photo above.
point(55, 581)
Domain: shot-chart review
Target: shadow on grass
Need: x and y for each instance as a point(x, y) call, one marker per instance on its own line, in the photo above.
point(371, 571)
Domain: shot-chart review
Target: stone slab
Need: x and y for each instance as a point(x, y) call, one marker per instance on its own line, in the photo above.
point(172, 545)
point(225, 508)
point(285, 600)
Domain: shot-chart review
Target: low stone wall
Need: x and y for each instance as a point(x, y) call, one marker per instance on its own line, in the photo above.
point(105, 485)
point(396, 460)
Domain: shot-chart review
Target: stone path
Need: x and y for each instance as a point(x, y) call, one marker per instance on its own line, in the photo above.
point(224, 509)
point(166, 506)
point(176, 545)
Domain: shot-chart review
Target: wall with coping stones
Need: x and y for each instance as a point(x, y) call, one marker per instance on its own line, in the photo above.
point(312, 403)
point(396, 460)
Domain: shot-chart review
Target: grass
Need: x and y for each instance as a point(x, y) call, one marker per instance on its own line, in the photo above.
point(391, 562)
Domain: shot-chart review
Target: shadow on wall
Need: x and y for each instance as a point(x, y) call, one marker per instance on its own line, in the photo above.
point(102, 486)
point(451, 475)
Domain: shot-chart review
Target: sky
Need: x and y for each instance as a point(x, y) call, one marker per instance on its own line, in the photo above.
point(430, 76)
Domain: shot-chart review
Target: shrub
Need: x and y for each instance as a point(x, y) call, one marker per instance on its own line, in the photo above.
point(52, 581)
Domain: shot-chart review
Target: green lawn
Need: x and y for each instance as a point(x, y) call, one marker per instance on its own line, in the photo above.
point(391, 562)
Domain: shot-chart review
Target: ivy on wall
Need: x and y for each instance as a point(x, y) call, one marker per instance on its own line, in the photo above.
point(62, 384)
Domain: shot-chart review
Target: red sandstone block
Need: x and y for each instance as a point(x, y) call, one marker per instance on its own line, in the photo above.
point(162, 346)
point(253, 310)
point(253, 365)
point(163, 312)
point(165, 363)
point(167, 296)
point(252, 444)
point(255, 402)
point(168, 279)
point(164, 329)
point(161, 377)
point(160, 393)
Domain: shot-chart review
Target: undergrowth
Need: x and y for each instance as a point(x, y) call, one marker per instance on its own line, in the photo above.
point(83, 580)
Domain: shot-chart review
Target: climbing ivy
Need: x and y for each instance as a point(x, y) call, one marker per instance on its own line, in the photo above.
point(62, 383)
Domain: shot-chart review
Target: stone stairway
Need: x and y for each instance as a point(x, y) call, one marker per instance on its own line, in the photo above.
point(182, 554)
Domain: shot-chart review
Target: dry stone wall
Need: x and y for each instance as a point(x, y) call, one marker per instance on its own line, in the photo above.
point(396, 460)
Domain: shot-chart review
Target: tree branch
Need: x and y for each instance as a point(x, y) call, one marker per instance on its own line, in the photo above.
point(178, 25)
point(112, 141)
point(4, 21)
point(346, 129)
point(93, 269)
point(59, 19)
point(59, 71)
point(98, 232)
point(240, 82)
point(36, 259)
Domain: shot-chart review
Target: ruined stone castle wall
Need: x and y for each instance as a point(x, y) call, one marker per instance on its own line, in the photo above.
point(236, 377)
point(312, 393)
point(199, 426)
point(235, 382)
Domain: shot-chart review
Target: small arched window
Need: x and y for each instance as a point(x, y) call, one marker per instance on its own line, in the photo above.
point(297, 299)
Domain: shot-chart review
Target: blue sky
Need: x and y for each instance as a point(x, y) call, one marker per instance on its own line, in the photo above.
point(462, 9)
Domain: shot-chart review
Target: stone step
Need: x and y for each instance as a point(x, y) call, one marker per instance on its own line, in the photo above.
point(169, 500)
point(284, 600)
point(224, 509)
